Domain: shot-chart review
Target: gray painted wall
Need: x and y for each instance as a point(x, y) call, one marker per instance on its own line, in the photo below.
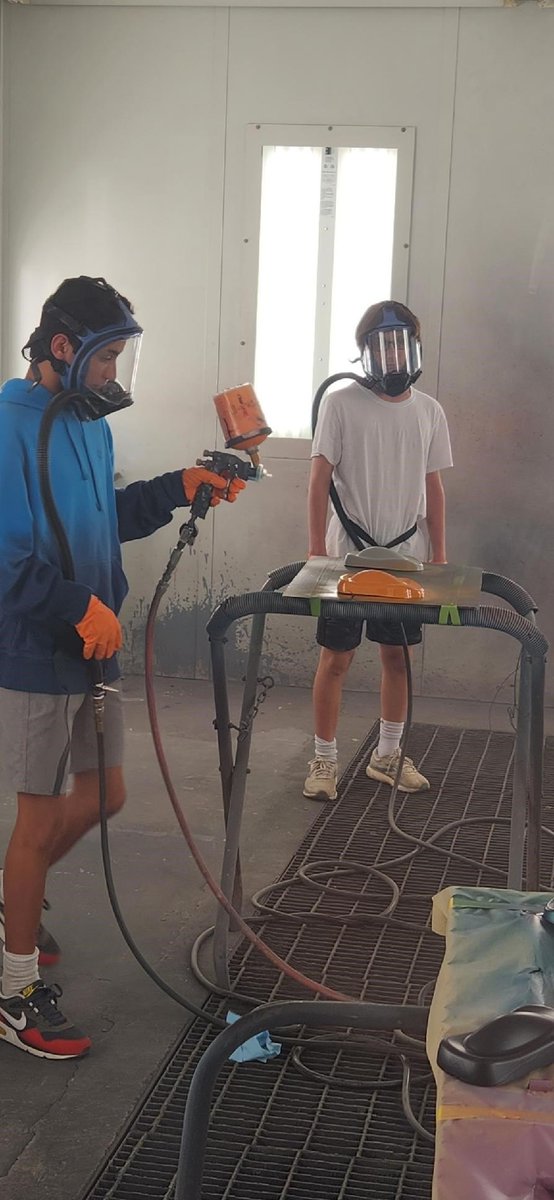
point(124, 156)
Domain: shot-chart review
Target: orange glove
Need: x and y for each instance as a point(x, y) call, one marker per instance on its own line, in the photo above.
point(100, 630)
point(235, 487)
point(223, 488)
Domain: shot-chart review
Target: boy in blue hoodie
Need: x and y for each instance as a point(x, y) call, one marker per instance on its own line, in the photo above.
point(52, 620)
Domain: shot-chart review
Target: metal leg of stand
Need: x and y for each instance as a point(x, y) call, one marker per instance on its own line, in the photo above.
point(520, 790)
point(235, 807)
point(536, 754)
point(222, 720)
point(224, 740)
point(319, 1013)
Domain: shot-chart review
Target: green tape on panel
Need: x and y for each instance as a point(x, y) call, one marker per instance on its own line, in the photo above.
point(449, 615)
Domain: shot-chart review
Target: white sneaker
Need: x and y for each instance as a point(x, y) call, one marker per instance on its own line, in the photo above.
point(321, 781)
point(385, 768)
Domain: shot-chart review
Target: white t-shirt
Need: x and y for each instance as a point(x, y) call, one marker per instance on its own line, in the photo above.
point(381, 451)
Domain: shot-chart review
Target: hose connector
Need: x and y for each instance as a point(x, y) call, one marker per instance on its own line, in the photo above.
point(98, 694)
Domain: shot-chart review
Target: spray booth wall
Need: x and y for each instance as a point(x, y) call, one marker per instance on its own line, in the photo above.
point(124, 156)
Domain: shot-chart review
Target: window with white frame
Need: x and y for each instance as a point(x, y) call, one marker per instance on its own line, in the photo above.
point(333, 239)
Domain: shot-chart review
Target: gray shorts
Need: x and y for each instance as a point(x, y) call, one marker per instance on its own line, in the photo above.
point(45, 738)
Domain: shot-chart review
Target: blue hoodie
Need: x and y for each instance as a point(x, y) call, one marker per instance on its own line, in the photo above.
point(37, 605)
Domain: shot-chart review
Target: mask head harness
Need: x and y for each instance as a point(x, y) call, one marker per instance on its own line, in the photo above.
point(391, 354)
point(95, 395)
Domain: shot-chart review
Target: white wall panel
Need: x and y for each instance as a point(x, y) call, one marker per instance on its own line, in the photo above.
point(497, 353)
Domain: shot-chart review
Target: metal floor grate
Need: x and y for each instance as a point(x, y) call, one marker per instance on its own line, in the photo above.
point(274, 1133)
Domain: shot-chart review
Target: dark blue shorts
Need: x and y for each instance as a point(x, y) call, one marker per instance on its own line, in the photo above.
point(335, 634)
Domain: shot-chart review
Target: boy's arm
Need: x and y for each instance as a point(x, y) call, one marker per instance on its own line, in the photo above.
point(318, 503)
point(436, 512)
point(144, 506)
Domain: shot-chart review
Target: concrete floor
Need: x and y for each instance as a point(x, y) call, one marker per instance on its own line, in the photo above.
point(60, 1119)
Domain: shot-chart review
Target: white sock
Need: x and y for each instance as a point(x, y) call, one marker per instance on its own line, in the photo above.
point(19, 971)
point(390, 733)
point(325, 749)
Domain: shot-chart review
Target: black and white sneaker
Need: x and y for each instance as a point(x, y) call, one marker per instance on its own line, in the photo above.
point(32, 1021)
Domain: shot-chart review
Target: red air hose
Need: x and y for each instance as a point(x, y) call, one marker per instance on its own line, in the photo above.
point(312, 985)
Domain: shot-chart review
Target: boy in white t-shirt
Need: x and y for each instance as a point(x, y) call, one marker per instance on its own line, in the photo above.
point(383, 447)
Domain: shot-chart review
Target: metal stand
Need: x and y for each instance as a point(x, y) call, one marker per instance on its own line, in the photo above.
point(518, 622)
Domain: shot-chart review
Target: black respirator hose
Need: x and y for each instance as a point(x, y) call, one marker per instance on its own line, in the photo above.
point(72, 643)
point(361, 379)
point(57, 405)
point(334, 496)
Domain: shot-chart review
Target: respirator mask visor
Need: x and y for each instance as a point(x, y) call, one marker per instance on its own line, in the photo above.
point(391, 358)
point(104, 370)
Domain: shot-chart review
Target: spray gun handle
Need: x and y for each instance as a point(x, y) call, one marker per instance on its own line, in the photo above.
point(189, 532)
point(201, 502)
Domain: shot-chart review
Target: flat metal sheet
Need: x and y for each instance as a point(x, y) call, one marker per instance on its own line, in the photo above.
point(445, 583)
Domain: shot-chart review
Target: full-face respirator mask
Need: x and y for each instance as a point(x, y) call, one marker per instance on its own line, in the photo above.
point(103, 370)
point(391, 356)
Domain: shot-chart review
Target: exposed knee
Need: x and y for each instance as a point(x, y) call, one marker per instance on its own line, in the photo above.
point(335, 663)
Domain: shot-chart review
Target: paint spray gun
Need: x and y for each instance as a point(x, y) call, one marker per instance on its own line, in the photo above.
point(245, 428)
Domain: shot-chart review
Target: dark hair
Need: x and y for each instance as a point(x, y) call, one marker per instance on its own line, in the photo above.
point(374, 315)
point(91, 302)
point(78, 303)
